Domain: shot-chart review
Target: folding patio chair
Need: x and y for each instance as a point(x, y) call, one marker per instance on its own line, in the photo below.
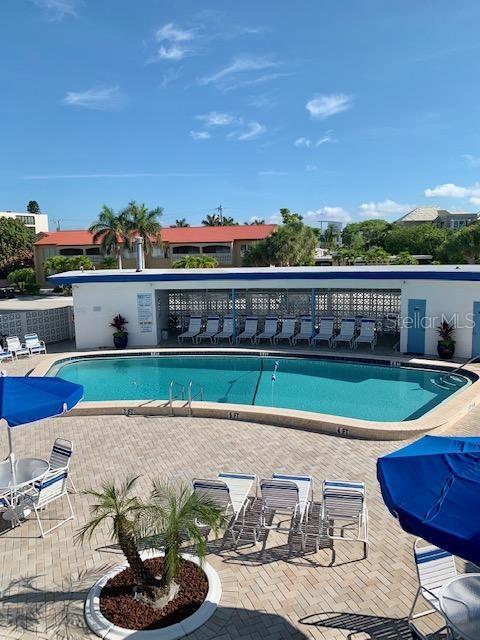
point(325, 331)
point(230, 491)
point(60, 457)
point(269, 330)
point(344, 514)
point(250, 329)
point(306, 331)
point(287, 331)
point(15, 347)
point(5, 354)
point(347, 332)
point(194, 328)
point(210, 330)
point(33, 344)
point(367, 335)
point(52, 487)
point(227, 330)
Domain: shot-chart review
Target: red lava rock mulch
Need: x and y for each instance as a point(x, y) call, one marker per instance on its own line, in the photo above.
point(119, 606)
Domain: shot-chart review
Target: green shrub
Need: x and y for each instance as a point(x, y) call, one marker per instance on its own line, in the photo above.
point(21, 278)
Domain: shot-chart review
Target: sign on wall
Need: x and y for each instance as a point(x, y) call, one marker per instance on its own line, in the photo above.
point(145, 312)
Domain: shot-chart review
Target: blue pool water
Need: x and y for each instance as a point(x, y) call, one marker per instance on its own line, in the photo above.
point(356, 390)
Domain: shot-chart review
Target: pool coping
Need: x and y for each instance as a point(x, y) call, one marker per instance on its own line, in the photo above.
point(438, 419)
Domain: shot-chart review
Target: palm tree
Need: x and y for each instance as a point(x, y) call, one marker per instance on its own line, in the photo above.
point(212, 220)
point(181, 222)
point(144, 222)
point(111, 231)
point(255, 221)
point(172, 517)
point(227, 221)
point(121, 510)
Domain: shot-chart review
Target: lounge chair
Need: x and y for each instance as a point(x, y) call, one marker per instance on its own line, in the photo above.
point(325, 331)
point(344, 514)
point(290, 495)
point(15, 347)
point(61, 456)
point(306, 330)
point(52, 487)
point(5, 354)
point(435, 567)
point(211, 330)
point(347, 332)
point(34, 344)
point(230, 491)
point(269, 330)
point(250, 329)
point(194, 328)
point(287, 331)
point(367, 335)
point(227, 330)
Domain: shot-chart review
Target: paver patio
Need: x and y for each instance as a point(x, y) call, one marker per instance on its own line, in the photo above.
point(275, 594)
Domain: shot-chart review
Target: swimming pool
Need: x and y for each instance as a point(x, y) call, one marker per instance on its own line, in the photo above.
point(342, 388)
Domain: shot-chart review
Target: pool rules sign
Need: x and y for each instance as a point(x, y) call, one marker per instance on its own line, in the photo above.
point(145, 312)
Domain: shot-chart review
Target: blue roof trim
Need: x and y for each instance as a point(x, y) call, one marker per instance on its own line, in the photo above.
point(274, 275)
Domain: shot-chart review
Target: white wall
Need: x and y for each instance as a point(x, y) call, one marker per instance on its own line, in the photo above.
point(453, 300)
point(41, 219)
point(95, 305)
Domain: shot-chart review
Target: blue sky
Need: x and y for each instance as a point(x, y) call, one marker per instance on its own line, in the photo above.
point(338, 109)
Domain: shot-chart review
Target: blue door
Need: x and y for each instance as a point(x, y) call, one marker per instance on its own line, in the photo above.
point(416, 326)
point(476, 330)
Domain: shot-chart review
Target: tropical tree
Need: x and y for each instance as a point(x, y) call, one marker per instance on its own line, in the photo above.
point(365, 234)
point(288, 216)
point(463, 245)
point(22, 278)
point(228, 221)
point(111, 230)
point(377, 255)
point(255, 221)
point(32, 207)
point(16, 245)
point(196, 262)
point(181, 222)
point(143, 222)
point(60, 264)
point(417, 239)
point(404, 258)
point(212, 220)
point(108, 262)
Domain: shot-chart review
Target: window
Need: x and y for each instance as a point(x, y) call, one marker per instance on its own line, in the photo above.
point(243, 249)
point(92, 251)
point(185, 249)
point(216, 248)
point(70, 251)
point(29, 220)
point(158, 252)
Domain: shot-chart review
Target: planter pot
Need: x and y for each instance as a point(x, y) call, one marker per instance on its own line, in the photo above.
point(121, 341)
point(107, 630)
point(444, 352)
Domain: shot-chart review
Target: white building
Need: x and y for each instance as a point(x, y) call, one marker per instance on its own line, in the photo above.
point(407, 301)
point(38, 222)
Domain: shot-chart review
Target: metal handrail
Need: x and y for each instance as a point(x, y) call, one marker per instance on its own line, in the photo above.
point(452, 373)
point(172, 396)
point(191, 396)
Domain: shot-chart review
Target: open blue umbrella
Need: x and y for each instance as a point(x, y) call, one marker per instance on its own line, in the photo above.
point(433, 487)
point(28, 399)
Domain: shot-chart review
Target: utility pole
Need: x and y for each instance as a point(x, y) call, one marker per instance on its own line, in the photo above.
point(220, 213)
point(57, 221)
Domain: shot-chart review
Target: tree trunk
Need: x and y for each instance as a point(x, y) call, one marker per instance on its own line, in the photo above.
point(130, 551)
point(119, 257)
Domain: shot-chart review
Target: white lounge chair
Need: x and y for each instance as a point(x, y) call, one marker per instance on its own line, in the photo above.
point(287, 331)
point(306, 330)
point(269, 330)
point(290, 495)
point(325, 331)
point(194, 328)
point(34, 344)
point(231, 492)
point(250, 329)
point(61, 456)
point(435, 567)
point(5, 354)
point(227, 330)
point(347, 332)
point(344, 514)
point(211, 329)
point(367, 335)
point(52, 487)
point(18, 349)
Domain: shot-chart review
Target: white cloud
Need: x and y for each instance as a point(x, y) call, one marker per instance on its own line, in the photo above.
point(239, 65)
point(327, 138)
point(98, 98)
point(331, 214)
point(472, 161)
point(323, 106)
point(273, 173)
point(311, 167)
point(58, 9)
point(170, 76)
point(303, 142)
point(216, 119)
point(252, 131)
point(170, 36)
point(172, 52)
point(172, 33)
point(307, 142)
point(450, 190)
point(475, 200)
point(199, 135)
point(383, 209)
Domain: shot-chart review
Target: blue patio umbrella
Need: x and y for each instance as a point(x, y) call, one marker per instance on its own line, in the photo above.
point(433, 487)
point(28, 399)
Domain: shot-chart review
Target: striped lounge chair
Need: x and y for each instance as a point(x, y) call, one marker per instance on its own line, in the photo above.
point(344, 514)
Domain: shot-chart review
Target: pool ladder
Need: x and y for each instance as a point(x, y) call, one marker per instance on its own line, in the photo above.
point(176, 391)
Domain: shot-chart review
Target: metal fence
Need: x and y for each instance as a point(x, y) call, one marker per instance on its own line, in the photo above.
point(51, 325)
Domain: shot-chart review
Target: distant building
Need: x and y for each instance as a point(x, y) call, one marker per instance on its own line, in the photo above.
point(38, 222)
point(226, 244)
point(439, 217)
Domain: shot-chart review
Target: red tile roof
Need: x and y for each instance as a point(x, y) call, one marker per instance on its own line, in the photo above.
point(174, 235)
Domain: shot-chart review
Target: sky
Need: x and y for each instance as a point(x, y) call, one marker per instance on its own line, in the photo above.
point(337, 109)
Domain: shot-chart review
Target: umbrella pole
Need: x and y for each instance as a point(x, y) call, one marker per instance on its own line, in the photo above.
point(11, 455)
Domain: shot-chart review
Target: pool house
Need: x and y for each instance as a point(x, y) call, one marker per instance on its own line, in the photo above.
point(406, 302)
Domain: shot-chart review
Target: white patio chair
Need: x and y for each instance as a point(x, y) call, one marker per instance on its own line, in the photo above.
point(269, 330)
point(344, 514)
point(287, 331)
point(231, 492)
point(7, 505)
point(211, 329)
point(18, 349)
point(250, 329)
point(5, 355)
point(306, 331)
point(325, 331)
point(34, 344)
point(435, 567)
point(347, 332)
point(227, 330)
point(290, 495)
point(52, 487)
point(60, 457)
point(367, 335)
point(194, 328)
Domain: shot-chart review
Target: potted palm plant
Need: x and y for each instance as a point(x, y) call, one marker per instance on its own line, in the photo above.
point(120, 335)
point(446, 343)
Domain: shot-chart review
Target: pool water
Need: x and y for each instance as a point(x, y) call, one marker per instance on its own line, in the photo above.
point(341, 388)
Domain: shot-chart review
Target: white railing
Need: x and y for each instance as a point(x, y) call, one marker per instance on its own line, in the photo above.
point(192, 394)
point(173, 388)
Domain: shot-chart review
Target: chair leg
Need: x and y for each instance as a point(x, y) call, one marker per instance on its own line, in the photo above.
point(74, 488)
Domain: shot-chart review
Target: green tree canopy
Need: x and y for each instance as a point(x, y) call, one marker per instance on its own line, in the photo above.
point(365, 234)
point(214, 220)
point(16, 245)
point(22, 277)
point(32, 207)
point(417, 239)
point(462, 246)
point(195, 262)
point(111, 230)
point(404, 258)
point(181, 222)
point(144, 222)
point(60, 264)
